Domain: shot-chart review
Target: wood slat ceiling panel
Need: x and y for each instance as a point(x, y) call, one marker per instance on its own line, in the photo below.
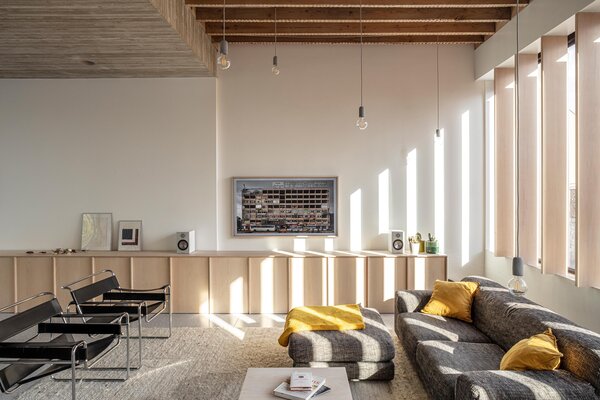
point(101, 38)
point(337, 21)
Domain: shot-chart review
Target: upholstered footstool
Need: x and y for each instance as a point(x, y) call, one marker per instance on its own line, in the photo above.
point(367, 354)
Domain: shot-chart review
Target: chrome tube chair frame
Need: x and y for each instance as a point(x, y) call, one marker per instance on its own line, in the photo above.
point(138, 303)
point(30, 353)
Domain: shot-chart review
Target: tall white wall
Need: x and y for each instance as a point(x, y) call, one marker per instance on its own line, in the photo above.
point(139, 148)
point(301, 123)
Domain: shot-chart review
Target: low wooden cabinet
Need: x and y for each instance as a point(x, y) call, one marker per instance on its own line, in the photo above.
point(231, 282)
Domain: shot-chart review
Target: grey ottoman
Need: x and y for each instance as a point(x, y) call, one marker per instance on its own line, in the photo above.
point(367, 354)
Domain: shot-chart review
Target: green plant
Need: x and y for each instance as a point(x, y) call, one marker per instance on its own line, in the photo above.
point(431, 237)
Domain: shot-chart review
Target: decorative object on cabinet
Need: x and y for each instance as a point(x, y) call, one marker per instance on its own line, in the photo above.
point(396, 242)
point(432, 246)
point(415, 243)
point(96, 231)
point(130, 236)
point(186, 242)
point(284, 206)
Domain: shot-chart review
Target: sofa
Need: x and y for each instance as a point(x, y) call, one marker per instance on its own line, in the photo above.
point(367, 354)
point(460, 360)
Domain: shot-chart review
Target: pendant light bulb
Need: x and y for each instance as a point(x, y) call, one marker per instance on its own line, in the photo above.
point(223, 60)
point(275, 69)
point(361, 122)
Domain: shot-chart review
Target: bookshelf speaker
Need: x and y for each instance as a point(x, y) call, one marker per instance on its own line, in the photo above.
point(186, 242)
point(396, 242)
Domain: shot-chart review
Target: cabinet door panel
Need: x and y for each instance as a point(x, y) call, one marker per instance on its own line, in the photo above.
point(150, 272)
point(308, 281)
point(228, 285)
point(70, 269)
point(268, 285)
point(424, 271)
point(34, 275)
point(346, 280)
point(386, 275)
point(7, 277)
point(190, 284)
point(121, 266)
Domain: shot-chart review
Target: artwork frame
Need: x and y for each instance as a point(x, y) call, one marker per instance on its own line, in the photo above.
point(294, 206)
point(96, 231)
point(130, 236)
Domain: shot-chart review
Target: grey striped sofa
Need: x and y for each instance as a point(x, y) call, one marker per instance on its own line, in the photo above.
point(458, 360)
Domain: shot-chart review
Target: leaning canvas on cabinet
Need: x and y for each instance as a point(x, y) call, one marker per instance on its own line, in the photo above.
point(96, 231)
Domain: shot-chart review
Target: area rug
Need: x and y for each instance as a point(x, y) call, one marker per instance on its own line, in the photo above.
point(210, 364)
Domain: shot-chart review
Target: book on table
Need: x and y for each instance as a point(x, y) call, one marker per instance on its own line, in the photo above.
point(283, 390)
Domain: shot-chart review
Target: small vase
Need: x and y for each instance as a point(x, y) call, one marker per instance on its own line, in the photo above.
point(432, 247)
point(415, 248)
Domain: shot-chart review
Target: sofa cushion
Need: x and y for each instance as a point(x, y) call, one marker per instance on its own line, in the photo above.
point(507, 319)
point(440, 363)
point(417, 327)
point(372, 344)
point(522, 385)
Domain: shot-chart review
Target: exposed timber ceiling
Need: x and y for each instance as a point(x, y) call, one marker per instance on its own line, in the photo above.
point(337, 21)
point(102, 38)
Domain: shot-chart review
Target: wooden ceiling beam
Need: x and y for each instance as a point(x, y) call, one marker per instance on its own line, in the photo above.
point(322, 39)
point(355, 3)
point(350, 14)
point(350, 29)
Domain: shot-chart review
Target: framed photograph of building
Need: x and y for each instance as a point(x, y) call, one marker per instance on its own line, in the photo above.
point(285, 206)
point(130, 236)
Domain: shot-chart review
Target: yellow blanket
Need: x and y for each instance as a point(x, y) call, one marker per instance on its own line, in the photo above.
point(321, 318)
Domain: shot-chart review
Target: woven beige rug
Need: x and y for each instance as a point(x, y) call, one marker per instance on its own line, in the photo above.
point(210, 364)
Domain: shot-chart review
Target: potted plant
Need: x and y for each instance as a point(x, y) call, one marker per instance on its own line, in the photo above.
point(432, 246)
point(415, 243)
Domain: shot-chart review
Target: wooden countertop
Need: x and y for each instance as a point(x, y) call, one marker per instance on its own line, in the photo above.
point(207, 253)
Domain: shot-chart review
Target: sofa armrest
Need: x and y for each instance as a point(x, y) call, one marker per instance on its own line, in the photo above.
point(411, 300)
point(522, 385)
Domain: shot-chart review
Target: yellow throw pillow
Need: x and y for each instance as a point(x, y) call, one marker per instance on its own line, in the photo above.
point(452, 299)
point(538, 352)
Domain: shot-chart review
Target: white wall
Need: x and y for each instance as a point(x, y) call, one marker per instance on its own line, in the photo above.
point(301, 123)
point(139, 148)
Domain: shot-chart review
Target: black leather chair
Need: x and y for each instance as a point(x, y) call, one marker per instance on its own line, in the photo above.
point(28, 360)
point(141, 305)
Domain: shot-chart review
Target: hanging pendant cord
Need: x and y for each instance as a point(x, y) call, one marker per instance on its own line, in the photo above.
point(224, 19)
point(275, 31)
point(437, 60)
point(517, 129)
point(361, 53)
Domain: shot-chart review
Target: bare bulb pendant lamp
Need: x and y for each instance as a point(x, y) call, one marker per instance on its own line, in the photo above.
point(275, 70)
point(361, 123)
point(223, 60)
point(517, 284)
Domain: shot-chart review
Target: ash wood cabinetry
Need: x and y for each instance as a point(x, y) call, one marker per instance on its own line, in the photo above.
point(230, 282)
point(268, 285)
point(385, 276)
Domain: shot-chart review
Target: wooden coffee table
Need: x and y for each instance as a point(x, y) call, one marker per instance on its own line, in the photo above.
point(260, 382)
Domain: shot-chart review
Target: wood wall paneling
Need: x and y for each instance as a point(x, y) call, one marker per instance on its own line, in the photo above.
point(228, 285)
point(554, 155)
point(588, 148)
point(70, 269)
point(422, 272)
point(505, 166)
point(34, 275)
point(308, 281)
point(121, 266)
point(7, 277)
point(385, 276)
point(189, 284)
point(268, 285)
point(528, 158)
point(150, 272)
point(346, 281)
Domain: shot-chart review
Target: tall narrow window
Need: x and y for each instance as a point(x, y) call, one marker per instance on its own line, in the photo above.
point(571, 155)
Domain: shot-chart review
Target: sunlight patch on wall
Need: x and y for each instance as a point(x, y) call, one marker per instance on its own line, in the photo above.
point(439, 189)
point(328, 244)
point(300, 244)
point(356, 220)
point(491, 173)
point(466, 186)
point(411, 192)
point(384, 201)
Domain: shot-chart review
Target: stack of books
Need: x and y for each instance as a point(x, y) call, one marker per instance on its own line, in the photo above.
point(301, 386)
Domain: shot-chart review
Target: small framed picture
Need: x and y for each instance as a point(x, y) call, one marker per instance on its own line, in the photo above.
point(130, 236)
point(96, 231)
